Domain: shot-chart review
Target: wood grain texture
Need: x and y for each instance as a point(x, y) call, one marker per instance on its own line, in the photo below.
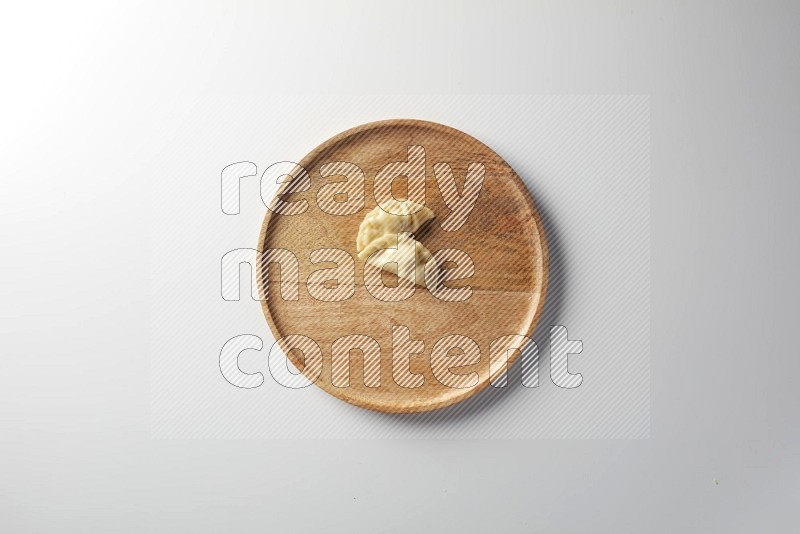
point(504, 236)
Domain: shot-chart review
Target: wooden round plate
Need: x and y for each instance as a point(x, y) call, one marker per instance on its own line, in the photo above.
point(503, 235)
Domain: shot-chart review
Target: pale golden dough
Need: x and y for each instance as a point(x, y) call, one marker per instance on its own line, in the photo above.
point(423, 257)
point(379, 222)
point(379, 231)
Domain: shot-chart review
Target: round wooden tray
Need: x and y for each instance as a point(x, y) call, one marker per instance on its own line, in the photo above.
point(504, 236)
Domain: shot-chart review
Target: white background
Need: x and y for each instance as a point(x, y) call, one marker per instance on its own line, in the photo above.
point(93, 95)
